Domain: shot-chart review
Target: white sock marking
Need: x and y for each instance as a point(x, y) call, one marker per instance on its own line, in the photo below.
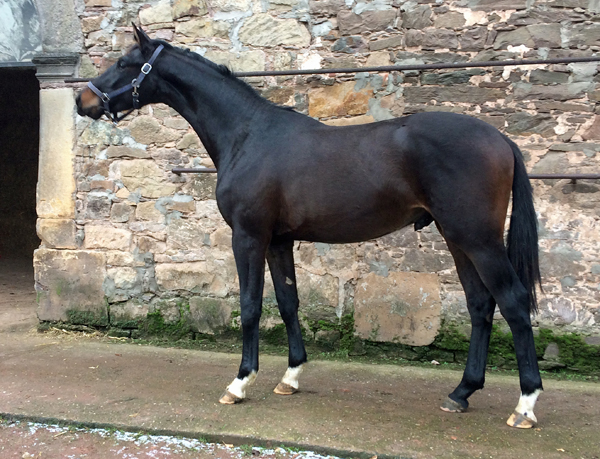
point(238, 386)
point(291, 376)
point(526, 404)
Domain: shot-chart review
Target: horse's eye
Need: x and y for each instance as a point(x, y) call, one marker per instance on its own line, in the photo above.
point(120, 64)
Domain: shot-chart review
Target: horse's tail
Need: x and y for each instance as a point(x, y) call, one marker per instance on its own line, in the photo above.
point(522, 242)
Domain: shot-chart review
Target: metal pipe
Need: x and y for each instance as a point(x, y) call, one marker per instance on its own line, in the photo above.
point(200, 170)
point(212, 170)
point(401, 68)
point(565, 176)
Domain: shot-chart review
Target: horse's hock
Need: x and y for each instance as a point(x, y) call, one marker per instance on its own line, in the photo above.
point(131, 247)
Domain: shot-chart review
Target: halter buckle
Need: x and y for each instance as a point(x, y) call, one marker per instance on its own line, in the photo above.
point(146, 68)
point(105, 97)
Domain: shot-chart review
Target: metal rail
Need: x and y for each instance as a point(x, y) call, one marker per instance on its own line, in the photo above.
point(212, 170)
point(401, 68)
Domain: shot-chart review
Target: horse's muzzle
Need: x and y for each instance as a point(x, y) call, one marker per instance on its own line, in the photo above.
point(89, 104)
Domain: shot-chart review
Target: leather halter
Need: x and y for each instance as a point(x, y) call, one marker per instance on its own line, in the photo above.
point(134, 85)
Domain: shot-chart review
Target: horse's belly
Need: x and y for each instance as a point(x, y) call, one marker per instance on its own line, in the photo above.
point(338, 228)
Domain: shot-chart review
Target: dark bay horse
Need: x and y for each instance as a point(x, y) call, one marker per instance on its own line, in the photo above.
point(284, 176)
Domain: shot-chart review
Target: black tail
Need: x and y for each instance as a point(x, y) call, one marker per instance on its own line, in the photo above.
point(522, 244)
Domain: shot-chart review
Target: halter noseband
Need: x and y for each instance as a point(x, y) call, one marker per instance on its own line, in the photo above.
point(134, 85)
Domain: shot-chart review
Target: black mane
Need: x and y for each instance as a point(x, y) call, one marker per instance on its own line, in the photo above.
point(222, 69)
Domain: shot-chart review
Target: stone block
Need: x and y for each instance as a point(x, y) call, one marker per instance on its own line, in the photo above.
point(97, 207)
point(126, 152)
point(522, 123)
point(371, 21)
point(419, 260)
point(264, 30)
point(593, 132)
point(147, 130)
point(494, 5)
point(91, 23)
point(193, 276)
point(209, 315)
point(182, 8)
point(120, 212)
point(361, 119)
point(69, 285)
point(158, 13)
point(562, 260)
point(418, 17)
point(582, 35)
point(92, 3)
point(432, 38)
point(148, 211)
point(128, 314)
point(146, 177)
point(449, 78)
point(186, 234)
point(403, 308)
point(195, 28)
point(318, 295)
point(527, 91)
point(57, 234)
point(349, 45)
point(338, 100)
point(386, 43)
point(539, 76)
point(473, 39)
point(189, 140)
point(56, 184)
point(462, 94)
point(124, 278)
point(450, 20)
point(245, 61)
point(227, 6)
point(107, 237)
point(150, 245)
point(326, 7)
point(204, 186)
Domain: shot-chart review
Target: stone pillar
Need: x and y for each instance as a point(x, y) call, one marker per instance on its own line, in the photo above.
point(68, 282)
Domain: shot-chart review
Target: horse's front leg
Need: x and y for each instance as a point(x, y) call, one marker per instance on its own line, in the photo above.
point(249, 252)
point(281, 263)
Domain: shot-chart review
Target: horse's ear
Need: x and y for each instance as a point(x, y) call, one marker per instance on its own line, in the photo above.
point(140, 36)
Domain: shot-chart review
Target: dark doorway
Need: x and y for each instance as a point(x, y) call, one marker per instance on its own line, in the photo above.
point(19, 147)
point(19, 151)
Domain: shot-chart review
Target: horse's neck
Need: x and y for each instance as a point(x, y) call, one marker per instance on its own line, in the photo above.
point(220, 110)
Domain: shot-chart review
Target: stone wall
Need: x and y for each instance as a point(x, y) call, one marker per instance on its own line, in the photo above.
point(145, 243)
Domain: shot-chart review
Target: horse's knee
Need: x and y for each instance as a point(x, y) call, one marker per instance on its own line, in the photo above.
point(250, 316)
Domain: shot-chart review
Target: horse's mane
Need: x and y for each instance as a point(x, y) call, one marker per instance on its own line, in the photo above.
point(222, 69)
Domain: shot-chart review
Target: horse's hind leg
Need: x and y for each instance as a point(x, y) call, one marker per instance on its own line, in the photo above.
point(281, 263)
point(481, 307)
point(500, 278)
point(249, 252)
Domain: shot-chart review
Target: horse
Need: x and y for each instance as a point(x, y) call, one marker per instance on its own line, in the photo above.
point(284, 176)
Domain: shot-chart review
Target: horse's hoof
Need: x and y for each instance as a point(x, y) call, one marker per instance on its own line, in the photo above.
point(451, 406)
point(285, 389)
point(521, 421)
point(229, 399)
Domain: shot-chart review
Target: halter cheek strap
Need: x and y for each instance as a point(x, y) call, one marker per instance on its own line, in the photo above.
point(134, 86)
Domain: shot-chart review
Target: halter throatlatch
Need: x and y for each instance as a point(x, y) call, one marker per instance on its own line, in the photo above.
point(134, 86)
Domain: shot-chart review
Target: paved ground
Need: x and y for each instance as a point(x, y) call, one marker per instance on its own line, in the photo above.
point(346, 409)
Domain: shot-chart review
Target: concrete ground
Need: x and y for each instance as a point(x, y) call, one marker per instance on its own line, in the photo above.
point(344, 409)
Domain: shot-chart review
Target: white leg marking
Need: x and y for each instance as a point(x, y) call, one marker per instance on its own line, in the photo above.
point(291, 376)
point(526, 404)
point(238, 386)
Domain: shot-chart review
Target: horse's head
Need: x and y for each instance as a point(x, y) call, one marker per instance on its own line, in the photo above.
point(120, 87)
